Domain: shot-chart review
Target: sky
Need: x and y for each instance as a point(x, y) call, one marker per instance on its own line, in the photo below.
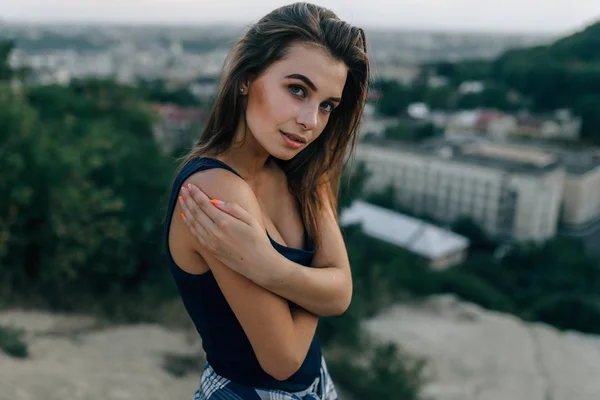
point(528, 16)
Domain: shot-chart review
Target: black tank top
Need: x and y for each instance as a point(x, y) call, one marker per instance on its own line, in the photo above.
point(227, 347)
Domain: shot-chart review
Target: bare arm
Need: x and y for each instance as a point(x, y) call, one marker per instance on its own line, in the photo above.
point(325, 289)
point(279, 337)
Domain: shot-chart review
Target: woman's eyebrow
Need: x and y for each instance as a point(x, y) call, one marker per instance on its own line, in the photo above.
point(310, 84)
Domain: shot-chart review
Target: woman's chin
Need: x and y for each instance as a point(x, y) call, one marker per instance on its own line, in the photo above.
point(283, 156)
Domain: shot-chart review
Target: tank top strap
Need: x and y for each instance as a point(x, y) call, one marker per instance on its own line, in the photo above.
point(193, 166)
point(205, 163)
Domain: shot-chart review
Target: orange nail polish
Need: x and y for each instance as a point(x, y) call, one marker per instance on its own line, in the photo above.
point(181, 198)
point(183, 215)
point(215, 202)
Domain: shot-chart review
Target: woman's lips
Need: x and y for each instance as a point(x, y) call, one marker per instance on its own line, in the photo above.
point(290, 141)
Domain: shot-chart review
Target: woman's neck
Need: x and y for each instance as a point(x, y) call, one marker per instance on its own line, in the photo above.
point(247, 156)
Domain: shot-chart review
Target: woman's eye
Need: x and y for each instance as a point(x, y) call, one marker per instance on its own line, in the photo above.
point(328, 107)
point(297, 90)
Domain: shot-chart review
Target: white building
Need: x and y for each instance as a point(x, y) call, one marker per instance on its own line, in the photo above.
point(581, 194)
point(468, 87)
point(439, 247)
point(461, 122)
point(580, 208)
point(511, 192)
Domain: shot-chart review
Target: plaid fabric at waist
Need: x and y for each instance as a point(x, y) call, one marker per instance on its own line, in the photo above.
point(216, 387)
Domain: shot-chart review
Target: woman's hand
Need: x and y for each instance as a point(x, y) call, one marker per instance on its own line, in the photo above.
point(228, 231)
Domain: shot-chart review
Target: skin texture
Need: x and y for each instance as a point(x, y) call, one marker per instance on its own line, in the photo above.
point(230, 239)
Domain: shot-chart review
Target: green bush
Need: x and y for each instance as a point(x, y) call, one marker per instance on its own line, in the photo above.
point(568, 311)
point(84, 187)
point(471, 288)
point(388, 374)
point(418, 280)
point(12, 343)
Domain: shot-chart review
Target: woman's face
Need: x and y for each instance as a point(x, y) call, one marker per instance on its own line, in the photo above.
point(290, 103)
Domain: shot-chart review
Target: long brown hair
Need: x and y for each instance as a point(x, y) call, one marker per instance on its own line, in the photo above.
point(317, 169)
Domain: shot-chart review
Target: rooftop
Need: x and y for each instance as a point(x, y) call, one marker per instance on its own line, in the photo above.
point(481, 153)
point(530, 157)
point(577, 159)
point(419, 237)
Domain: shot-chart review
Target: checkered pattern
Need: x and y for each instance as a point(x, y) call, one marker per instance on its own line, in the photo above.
point(216, 387)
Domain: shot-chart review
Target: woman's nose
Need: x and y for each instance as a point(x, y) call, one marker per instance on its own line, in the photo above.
point(308, 117)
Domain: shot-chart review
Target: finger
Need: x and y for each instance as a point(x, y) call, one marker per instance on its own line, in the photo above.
point(203, 202)
point(191, 225)
point(198, 229)
point(196, 208)
point(235, 210)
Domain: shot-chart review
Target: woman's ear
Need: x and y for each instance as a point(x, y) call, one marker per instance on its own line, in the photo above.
point(245, 85)
point(244, 88)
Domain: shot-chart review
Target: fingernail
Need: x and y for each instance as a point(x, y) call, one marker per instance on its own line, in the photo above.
point(217, 202)
point(183, 189)
point(189, 186)
point(181, 198)
point(183, 216)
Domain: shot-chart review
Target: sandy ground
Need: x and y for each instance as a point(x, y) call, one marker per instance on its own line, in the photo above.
point(475, 354)
point(74, 358)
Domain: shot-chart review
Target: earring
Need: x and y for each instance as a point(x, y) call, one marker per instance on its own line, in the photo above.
point(241, 90)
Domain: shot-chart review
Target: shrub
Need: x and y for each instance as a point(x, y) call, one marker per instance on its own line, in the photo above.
point(471, 288)
point(568, 311)
point(12, 343)
point(389, 374)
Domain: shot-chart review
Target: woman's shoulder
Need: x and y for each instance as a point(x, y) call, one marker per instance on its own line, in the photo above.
point(219, 181)
point(209, 171)
point(224, 185)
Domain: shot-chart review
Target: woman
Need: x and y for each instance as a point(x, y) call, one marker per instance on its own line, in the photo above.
point(255, 248)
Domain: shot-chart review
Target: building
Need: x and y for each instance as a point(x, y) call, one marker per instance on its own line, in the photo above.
point(561, 125)
point(469, 87)
point(581, 204)
point(511, 192)
point(500, 125)
point(580, 209)
point(438, 247)
point(374, 125)
point(497, 125)
point(462, 122)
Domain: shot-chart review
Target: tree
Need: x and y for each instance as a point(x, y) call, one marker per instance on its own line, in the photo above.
point(479, 239)
point(353, 183)
point(394, 98)
point(386, 198)
point(410, 131)
point(440, 97)
point(156, 91)
point(588, 108)
point(570, 311)
point(84, 187)
point(552, 76)
point(6, 48)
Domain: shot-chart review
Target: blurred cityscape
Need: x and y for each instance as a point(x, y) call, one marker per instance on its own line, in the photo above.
point(478, 160)
point(59, 53)
point(460, 159)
